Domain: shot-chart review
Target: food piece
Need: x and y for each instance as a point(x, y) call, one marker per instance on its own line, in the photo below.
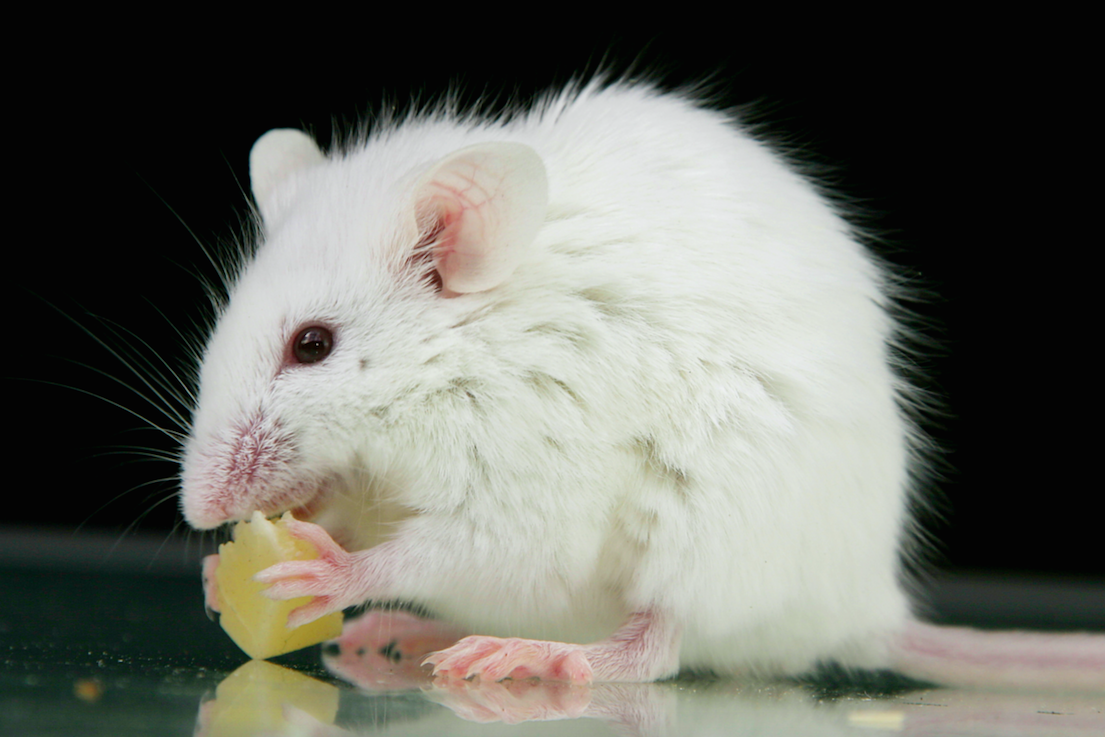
point(255, 698)
point(256, 623)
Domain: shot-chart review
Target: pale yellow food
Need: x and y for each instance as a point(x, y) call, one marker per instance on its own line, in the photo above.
point(256, 623)
point(255, 698)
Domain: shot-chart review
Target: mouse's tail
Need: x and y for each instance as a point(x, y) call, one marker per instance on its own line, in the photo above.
point(958, 656)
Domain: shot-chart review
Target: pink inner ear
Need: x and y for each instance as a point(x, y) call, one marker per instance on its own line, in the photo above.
point(478, 211)
point(463, 247)
point(444, 241)
point(436, 244)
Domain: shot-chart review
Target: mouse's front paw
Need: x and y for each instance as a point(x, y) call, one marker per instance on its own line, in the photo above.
point(330, 578)
point(494, 658)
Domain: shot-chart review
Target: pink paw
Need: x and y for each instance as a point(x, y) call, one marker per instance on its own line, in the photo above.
point(330, 578)
point(494, 658)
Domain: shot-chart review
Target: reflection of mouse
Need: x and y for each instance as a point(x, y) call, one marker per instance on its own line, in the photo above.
point(606, 372)
point(384, 649)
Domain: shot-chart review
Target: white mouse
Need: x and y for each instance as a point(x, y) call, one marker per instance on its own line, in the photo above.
point(608, 377)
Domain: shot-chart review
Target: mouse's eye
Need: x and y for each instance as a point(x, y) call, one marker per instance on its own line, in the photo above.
point(312, 344)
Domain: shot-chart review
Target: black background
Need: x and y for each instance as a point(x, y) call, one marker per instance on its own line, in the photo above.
point(127, 149)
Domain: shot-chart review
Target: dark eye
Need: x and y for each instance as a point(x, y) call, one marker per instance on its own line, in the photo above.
point(312, 344)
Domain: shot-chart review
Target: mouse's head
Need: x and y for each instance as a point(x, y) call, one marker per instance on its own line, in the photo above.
point(344, 309)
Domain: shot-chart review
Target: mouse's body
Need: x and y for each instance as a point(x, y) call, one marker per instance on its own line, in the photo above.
point(610, 366)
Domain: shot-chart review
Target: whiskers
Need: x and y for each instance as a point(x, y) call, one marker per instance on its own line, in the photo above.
point(153, 388)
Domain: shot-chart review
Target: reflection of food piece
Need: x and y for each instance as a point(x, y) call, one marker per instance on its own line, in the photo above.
point(254, 699)
point(256, 623)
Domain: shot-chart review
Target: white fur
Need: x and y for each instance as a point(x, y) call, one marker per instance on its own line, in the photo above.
point(681, 398)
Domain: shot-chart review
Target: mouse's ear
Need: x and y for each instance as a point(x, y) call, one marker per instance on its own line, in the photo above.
point(480, 209)
point(274, 157)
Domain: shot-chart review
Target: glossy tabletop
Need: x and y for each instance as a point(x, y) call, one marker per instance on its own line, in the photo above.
point(106, 637)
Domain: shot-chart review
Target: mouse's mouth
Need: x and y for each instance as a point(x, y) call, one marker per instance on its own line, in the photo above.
point(306, 512)
point(315, 503)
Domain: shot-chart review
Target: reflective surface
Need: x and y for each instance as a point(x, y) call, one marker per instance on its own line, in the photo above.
point(97, 644)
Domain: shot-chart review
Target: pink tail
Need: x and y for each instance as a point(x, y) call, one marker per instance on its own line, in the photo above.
point(957, 656)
